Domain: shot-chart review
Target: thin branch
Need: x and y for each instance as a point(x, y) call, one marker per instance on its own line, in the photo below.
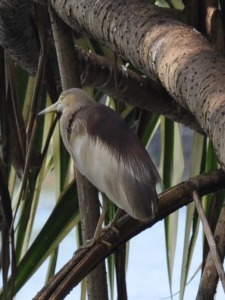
point(131, 87)
point(84, 261)
point(120, 264)
point(32, 126)
point(7, 255)
point(211, 241)
point(209, 279)
point(87, 193)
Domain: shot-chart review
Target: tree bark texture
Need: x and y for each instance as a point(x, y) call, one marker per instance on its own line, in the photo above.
point(87, 193)
point(209, 279)
point(16, 33)
point(131, 87)
point(169, 52)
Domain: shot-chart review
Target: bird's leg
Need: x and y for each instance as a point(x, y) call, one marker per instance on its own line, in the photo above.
point(100, 222)
point(111, 225)
point(96, 237)
point(99, 229)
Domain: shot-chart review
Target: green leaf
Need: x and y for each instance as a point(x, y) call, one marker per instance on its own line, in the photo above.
point(172, 167)
point(60, 222)
point(192, 221)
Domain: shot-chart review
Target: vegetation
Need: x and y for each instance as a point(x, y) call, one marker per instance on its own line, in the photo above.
point(164, 61)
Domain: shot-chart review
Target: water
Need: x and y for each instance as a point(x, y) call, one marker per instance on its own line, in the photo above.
point(147, 270)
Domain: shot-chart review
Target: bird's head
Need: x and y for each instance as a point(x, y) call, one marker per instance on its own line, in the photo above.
point(69, 98)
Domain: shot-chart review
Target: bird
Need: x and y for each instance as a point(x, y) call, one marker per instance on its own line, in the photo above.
point(108, 153)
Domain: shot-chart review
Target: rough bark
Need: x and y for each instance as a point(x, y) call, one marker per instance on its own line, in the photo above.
point(131, 87)
point(209, 279)
point(87, 193)
point(16, 33)
point(164, 49)
point(211, 23)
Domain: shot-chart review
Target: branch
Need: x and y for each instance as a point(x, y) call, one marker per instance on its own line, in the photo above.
point(133, 88)
point(17, 35)
point(85, 260)
point(164, 49)
point(23, 47)
point(87, 193)
point(209, 279)
point(210, 239)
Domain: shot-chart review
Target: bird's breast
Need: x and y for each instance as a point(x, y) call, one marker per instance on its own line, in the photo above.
point(112, 160)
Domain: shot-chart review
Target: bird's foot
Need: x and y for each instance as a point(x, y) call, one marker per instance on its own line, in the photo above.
point(97, 239)
point(99, 231)
point(90, 243)
point(87, 245)
point(112, 227)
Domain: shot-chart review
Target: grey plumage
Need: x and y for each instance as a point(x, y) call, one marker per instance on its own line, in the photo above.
point(108, 153)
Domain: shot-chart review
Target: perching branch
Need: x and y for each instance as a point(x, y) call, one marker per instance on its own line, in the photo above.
point(84, 261)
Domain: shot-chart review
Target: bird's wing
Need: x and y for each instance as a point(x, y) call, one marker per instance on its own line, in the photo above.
point(111, 156)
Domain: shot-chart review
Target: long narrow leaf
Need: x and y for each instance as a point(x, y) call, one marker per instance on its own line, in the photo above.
point(192, 224)
point(61, 220)
point(167, 137)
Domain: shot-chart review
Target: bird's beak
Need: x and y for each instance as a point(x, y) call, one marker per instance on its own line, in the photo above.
point(49, 109)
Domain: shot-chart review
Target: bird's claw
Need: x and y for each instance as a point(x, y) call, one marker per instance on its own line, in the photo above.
point(111, 227)
point(97, 239)
point(90, 243)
